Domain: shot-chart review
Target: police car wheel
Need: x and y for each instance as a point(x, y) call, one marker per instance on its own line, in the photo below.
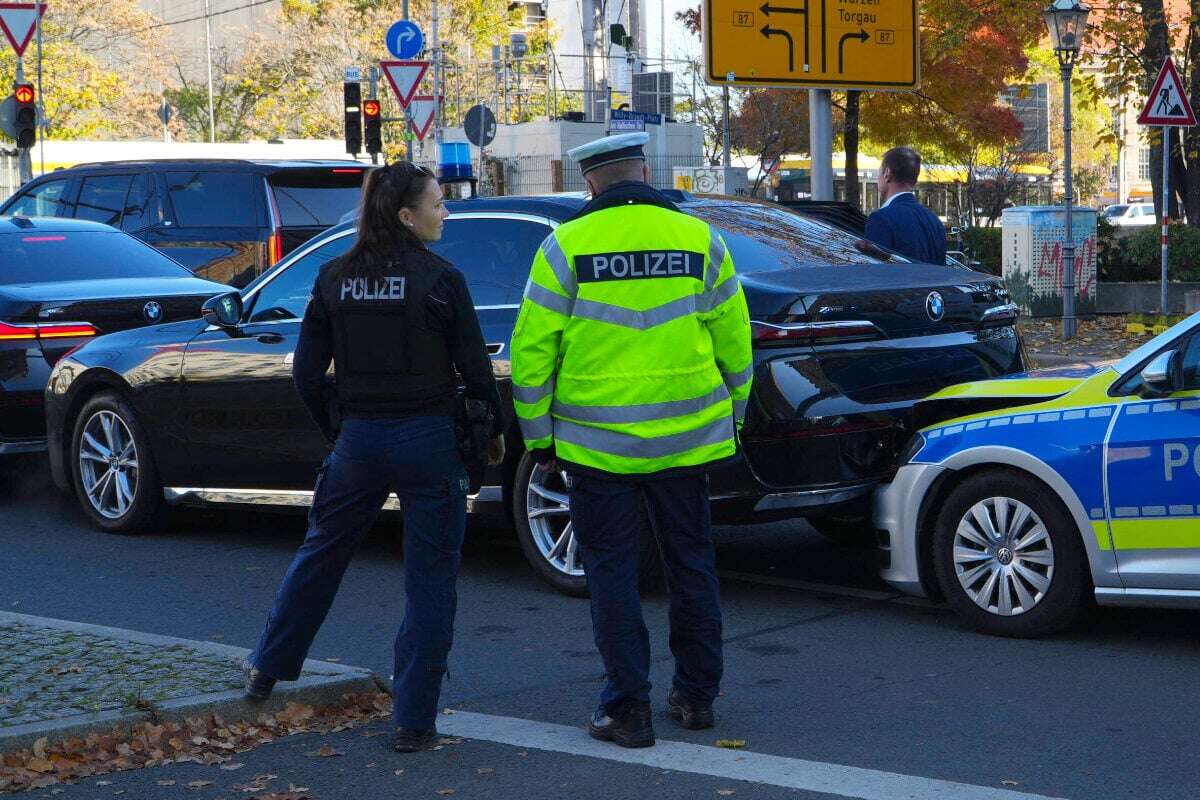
point(542, 517)
point(115, 480)
point(1008, 556)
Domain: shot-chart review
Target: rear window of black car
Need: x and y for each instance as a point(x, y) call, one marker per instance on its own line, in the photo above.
point(46, 257)
point(763, 239)
point(316, 198)
point(213, 199)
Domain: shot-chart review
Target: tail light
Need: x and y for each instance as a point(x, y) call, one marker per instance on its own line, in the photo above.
point(999, 315)
point(14, 331)
point(769, 334)
point(274, 248)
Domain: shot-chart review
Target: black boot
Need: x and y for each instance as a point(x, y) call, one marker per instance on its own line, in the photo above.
point(405, 740)
point(258, 684)
point(691, 714)
point(630, 727)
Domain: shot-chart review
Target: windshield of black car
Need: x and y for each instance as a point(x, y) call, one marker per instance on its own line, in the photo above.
point(316, 198)
point(763, 239)
point(34, 256)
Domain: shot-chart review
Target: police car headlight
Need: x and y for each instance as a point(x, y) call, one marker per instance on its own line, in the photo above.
point(914, 445)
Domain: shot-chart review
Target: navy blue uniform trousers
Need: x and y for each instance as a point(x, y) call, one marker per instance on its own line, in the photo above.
point(610, 516)
point(418, 458)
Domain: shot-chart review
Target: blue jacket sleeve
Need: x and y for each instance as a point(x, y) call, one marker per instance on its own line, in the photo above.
point(879, 231)
point(314, 353)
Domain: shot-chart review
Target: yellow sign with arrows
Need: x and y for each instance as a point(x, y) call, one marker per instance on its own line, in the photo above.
point(813, 44)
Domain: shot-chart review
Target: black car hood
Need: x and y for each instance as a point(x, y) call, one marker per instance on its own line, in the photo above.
point(115, 288)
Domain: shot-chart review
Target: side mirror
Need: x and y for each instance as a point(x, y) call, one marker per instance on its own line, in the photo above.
point(224, 310)
point(1158, 377)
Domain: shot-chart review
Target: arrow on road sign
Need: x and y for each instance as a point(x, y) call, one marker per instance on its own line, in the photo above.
point(18, 21)
point(1167, 104)
point(405, 77)
point(767, 31)
point(422, 109)
point(862, 36)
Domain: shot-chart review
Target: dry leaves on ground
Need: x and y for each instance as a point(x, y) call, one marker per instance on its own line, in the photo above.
point(205, 740)
point(731, 744)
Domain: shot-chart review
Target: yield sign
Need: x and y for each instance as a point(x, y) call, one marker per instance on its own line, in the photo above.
point(422, 110)
point(405, 77)
point(18, 21)
point(1167, 105)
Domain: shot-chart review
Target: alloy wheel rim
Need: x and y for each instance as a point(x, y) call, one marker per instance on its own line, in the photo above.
point(108, 464)
point(549, 512)
point(1003, 556)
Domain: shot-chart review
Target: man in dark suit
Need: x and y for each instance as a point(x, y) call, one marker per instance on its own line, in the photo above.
point(902, 224)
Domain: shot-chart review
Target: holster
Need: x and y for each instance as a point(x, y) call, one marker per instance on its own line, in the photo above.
point(473, 427)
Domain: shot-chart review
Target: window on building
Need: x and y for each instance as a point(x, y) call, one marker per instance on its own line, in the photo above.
point(1144, 164)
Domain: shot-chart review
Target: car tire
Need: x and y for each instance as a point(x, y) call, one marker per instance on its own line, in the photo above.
point(122, 494)
point(1008, 556)
point(548, 545)
point(849, 531)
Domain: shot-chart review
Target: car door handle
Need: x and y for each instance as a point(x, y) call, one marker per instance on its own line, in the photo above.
point(270, 338)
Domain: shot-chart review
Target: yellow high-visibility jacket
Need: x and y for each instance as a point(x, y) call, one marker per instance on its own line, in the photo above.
point(631, 352)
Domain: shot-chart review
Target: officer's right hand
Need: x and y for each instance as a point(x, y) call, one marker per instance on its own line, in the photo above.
point(495, 450)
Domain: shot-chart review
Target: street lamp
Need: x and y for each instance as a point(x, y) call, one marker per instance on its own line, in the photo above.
point(1067, 21)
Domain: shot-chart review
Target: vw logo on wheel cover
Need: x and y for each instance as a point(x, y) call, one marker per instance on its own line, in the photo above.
point(152, 311)
point(935, 306)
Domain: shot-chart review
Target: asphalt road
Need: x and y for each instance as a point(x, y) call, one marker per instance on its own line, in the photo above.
point(848, 674)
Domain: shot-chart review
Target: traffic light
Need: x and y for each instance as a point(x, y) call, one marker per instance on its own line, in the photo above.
point(352, 99)
point(373, 126)
point(25, 121)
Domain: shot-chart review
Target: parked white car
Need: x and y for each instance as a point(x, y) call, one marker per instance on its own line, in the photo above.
point(1130, 214)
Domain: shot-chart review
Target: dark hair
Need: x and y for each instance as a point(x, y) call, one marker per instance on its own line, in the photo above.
point(904, 164)
point(385, 191)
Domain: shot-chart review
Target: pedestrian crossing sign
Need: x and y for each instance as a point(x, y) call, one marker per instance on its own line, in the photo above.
point(1168, 103)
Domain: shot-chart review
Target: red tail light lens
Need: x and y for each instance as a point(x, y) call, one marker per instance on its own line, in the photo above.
point(11, 331)
point(767, 334)
point(274, 249)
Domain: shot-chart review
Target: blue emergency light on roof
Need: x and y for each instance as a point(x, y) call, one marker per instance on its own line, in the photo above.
point(454, 160)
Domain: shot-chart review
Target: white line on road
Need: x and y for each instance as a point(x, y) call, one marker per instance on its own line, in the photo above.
point(739, 765)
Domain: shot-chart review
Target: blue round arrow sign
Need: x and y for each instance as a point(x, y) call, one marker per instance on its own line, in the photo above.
point(405, 40)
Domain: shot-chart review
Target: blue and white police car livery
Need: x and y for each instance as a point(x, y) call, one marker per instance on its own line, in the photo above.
point(1030, 492)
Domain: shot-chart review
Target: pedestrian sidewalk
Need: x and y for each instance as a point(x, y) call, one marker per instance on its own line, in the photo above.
point(61, 679)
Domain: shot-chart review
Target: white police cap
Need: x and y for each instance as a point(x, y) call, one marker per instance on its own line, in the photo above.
point(609, 150)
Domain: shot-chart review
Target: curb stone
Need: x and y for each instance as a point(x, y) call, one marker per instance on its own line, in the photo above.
point(321, 683)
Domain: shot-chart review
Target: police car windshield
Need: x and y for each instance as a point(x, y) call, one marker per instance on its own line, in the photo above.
point(762, 238)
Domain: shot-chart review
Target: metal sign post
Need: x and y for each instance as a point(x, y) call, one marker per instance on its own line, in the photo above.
point(1167, 106)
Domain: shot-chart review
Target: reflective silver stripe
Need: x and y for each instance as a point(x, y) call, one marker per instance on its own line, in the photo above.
point(545, 298)
point(725, 291)
point(641, 412)
point(736, 379)
point(557, 260)
point(739, 408)
point(716, 257)
point(537, 428)
point(532, 394)
point(639, 320)
point(624, 444)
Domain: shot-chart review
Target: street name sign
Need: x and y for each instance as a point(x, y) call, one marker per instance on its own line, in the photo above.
point(18, 21)
point(405, 40)
point(645, 117)
point(404, 77)
point(1168, 103)
point(813, 44)
point(626, 125)
point(422, 109)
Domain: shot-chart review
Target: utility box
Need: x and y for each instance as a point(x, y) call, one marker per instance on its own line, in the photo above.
point(1032, 258)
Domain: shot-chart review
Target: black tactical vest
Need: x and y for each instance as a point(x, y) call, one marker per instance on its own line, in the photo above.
point(389, 360)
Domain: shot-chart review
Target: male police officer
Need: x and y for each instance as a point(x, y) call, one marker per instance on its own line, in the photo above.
point(631, 368)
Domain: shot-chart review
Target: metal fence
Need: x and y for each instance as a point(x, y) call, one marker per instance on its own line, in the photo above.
point(526, 175)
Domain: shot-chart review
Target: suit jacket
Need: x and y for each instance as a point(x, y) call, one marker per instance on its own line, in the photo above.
point(910, 229)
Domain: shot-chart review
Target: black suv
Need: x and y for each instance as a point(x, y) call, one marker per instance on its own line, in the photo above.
point(225, 220)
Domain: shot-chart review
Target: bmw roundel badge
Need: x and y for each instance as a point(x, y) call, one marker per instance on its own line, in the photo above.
point(152, 311)
point(935, 306)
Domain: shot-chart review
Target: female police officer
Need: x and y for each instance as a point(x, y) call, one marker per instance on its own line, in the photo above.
point(396, 320)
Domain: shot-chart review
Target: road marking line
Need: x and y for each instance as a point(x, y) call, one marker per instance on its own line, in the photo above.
point(740, 765)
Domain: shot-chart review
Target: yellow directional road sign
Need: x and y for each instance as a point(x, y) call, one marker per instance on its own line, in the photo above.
point(855, 44)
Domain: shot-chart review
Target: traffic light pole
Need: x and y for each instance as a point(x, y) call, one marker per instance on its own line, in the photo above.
point(373, 94)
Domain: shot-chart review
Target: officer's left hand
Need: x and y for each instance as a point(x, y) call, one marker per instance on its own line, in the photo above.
point(495, 451)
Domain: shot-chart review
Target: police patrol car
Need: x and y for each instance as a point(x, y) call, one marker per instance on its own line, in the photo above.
point(1027, 494)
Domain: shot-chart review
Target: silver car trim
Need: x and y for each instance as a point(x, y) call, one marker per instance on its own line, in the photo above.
point(1142, 598)
point(896, 506)
point(777, 501)
point(295, 498)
